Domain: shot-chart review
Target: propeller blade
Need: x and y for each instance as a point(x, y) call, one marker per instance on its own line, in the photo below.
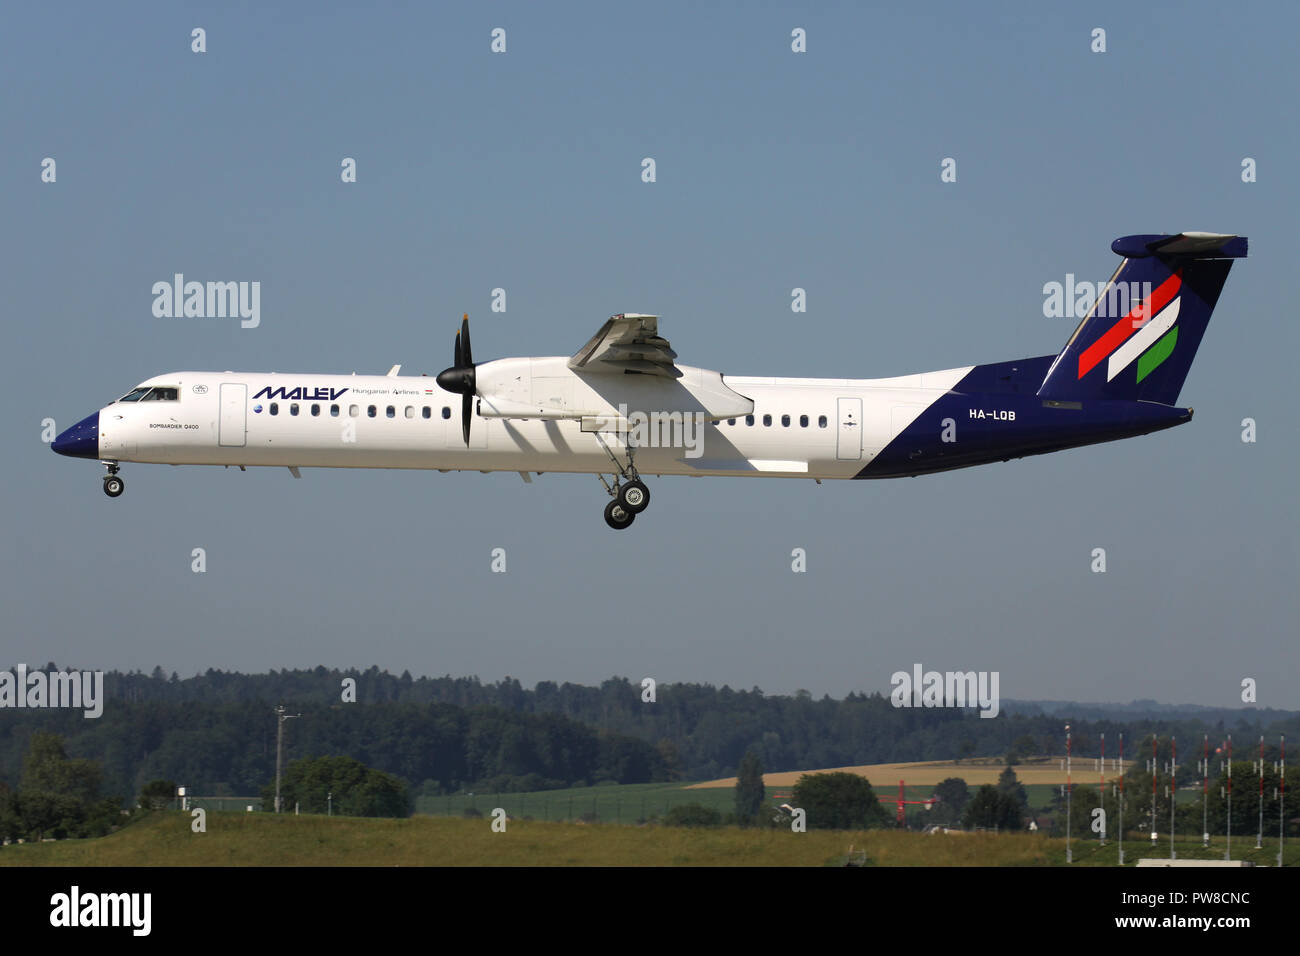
point(461, 378)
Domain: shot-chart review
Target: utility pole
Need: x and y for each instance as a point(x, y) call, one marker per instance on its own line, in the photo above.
point(1281, 803)
point(1101, 787)
point(1173, 791)
point(1259, 840)
point(1227, 854)
point(1155, 773)
point(1068, 856)
point(1205, 792)
point(1121, 799)
point(281, 717)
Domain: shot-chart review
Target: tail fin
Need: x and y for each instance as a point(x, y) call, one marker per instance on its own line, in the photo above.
point(1138, 340)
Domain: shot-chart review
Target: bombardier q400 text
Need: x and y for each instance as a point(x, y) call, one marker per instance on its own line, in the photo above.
point(623, 406)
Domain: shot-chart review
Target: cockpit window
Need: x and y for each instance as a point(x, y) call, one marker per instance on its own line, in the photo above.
point(156, 393)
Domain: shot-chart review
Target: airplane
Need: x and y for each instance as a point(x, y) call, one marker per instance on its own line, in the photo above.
point(622, 405)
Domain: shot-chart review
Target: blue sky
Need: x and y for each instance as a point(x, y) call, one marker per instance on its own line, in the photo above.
point(775, 170)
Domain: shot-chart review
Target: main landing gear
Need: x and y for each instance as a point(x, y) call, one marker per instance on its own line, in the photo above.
point(630, 494)
point(617, 517)
point(113, 485)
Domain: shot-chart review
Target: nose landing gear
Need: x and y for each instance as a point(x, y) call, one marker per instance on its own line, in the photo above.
point(113, 485)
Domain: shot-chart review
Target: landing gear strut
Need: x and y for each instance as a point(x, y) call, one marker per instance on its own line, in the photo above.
point(631, 496)
point(113, 485)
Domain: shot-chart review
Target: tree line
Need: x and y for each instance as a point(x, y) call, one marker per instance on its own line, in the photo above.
point(230, 748)
point(214, 731)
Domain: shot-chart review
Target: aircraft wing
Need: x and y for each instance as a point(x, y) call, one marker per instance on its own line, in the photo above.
point(628, 342)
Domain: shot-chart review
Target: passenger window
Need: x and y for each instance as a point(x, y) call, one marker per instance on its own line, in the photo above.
point(785, 421)
point(334, 411)
point(391, 411)
point(767, 420)
point(370, 410)
point(293, 408)
point(446, 412)
point(821, 421)
point(354, 410)
point(731, 421)
point(428, 412)
point(803, 421)
point(410, 411)
point(315, 410)
point(275, 408)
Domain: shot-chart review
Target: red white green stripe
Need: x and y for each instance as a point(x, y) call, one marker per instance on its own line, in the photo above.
point(1119, 333)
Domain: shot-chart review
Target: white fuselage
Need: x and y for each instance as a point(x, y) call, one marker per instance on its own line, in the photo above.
point(811, 428)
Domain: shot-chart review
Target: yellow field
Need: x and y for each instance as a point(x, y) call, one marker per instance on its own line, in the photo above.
point(976, 772)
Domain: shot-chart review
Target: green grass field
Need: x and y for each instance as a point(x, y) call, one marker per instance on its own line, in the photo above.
point(620, 803)
point(260, 839)
point(257, 839)
point(633, 803)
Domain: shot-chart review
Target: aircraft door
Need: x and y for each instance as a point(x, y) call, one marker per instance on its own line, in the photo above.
point(848, 445)
point(234, 415)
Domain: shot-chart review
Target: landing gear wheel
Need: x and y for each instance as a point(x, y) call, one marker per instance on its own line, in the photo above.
point(634, 496)
point(618, 517)
point(113, 485)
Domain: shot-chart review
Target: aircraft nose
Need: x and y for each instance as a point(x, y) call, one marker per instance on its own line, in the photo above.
point(81, 440)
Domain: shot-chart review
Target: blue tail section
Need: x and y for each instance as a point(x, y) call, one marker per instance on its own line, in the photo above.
point(1139, 338)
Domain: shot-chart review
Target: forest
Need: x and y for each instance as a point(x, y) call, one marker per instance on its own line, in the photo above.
point(215, 732)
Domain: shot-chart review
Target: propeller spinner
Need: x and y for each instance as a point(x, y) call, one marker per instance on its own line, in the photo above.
point(460, 377)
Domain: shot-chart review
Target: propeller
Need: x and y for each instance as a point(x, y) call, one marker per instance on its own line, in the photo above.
point(460, 377)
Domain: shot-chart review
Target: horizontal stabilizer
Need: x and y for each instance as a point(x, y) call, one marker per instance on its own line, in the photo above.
point(1185, 245)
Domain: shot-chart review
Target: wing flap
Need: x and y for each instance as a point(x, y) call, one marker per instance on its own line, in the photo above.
point(627, 343)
